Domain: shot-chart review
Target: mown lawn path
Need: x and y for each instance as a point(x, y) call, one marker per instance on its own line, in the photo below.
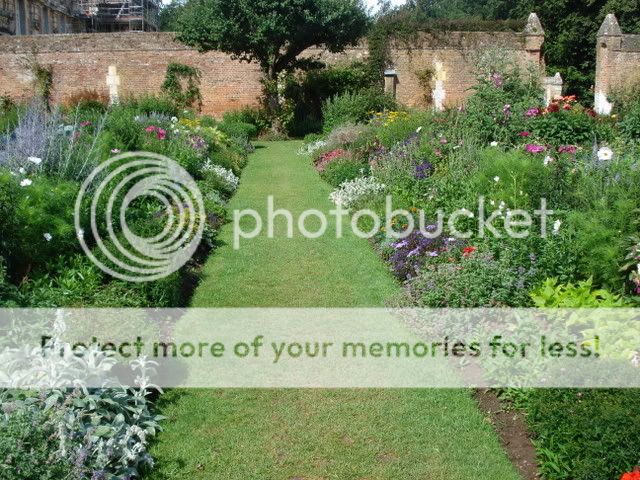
point(314, 434)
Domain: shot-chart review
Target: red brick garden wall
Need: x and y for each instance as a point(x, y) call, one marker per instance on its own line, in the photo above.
point(81, 61)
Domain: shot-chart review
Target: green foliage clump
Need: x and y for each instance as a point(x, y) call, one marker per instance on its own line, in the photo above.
point(236, 129)
point(585, 434)
point(38, 221)
point(307, 92)
point(26, 447)
point(182, 85)
point(476, 279)
point(272, 35)
point(249, 115)
point(355, 107)
point(581, 295)
point(343, 170)
point(496, 110)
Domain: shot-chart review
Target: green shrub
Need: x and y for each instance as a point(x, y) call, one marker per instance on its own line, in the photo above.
point(475, 279)
point(251, 115)
point(343, 170)
point(585, 434)
point(496, 110)
point(9, 295)
point(565, 127)
point(355, 107)
point(582, 295)
point(41, 225)
point(238, 129)
point(630, 123)
point(26, 449)
point(148, 104)
point(125, 131)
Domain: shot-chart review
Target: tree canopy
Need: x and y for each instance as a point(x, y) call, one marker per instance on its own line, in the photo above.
point(272, 32)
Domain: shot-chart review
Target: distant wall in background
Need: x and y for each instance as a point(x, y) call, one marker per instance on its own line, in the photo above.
point(123, 64)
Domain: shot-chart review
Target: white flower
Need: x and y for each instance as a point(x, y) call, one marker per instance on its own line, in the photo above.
point(22, 170)
point(556, 227)
point(605, 153)
point(115, 150)
point(69, 128)
point(547, 160)
point(25, 183)
point(493, 203)
point(349, 192)
point(226, 175)
point(502, 205)
point(174, 119)
point(48, 237)
point(80, 234)
point(419, 130)
point(496, 179)
point(494, 144)
point(35, 160)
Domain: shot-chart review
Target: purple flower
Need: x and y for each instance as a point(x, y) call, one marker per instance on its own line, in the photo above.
point(571, 149)
point(532, 148)
point(497, 79)
point(533, 112)
point(423, 171)
point(416, 249)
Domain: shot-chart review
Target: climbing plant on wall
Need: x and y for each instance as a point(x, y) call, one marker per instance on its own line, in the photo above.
point(182, 85)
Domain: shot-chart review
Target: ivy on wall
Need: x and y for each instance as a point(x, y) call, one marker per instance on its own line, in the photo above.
point(405, 27)
point(182, 85)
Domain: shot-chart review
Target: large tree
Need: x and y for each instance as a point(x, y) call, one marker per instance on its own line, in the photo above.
point(273, 33)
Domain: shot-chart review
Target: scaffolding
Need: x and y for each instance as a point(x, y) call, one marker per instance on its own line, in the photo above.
point(121, 15)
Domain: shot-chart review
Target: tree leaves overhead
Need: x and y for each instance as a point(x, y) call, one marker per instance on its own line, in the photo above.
point(271, 32)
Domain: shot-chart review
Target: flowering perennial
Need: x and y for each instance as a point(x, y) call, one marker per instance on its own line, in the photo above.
point(227, 175)
point(350, 192)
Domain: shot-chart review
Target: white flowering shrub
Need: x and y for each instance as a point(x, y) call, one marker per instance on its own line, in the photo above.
point(104, 432)
point(311, 148)
point(350, 192)
point(226, 175)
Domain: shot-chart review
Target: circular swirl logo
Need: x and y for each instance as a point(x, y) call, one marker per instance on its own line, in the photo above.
point(146, 213)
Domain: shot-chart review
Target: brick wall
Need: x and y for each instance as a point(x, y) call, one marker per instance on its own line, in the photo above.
point(82, 61)
point(617, 62)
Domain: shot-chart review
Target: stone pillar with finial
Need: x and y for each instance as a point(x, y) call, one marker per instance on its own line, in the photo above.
point(534, 39)
point(609, 43)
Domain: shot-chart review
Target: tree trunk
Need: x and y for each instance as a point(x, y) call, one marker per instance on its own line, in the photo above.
point(272, 100)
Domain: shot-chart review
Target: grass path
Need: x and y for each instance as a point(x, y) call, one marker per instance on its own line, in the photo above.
point(314, 434)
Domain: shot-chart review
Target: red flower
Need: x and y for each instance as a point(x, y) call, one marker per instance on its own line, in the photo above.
point(566, 106)
point(554, 107)
point(635, 475)
point(468, 251)
point(524, 134)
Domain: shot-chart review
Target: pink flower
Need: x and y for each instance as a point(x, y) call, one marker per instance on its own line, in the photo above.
point(150, 129)
point(115, 150)
point(162, 134)
point(497, 79)
point(533, 112)
point(571, 149)
point(85, 124)
point(532, 148)
point(524, 134)
point(443, 141)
